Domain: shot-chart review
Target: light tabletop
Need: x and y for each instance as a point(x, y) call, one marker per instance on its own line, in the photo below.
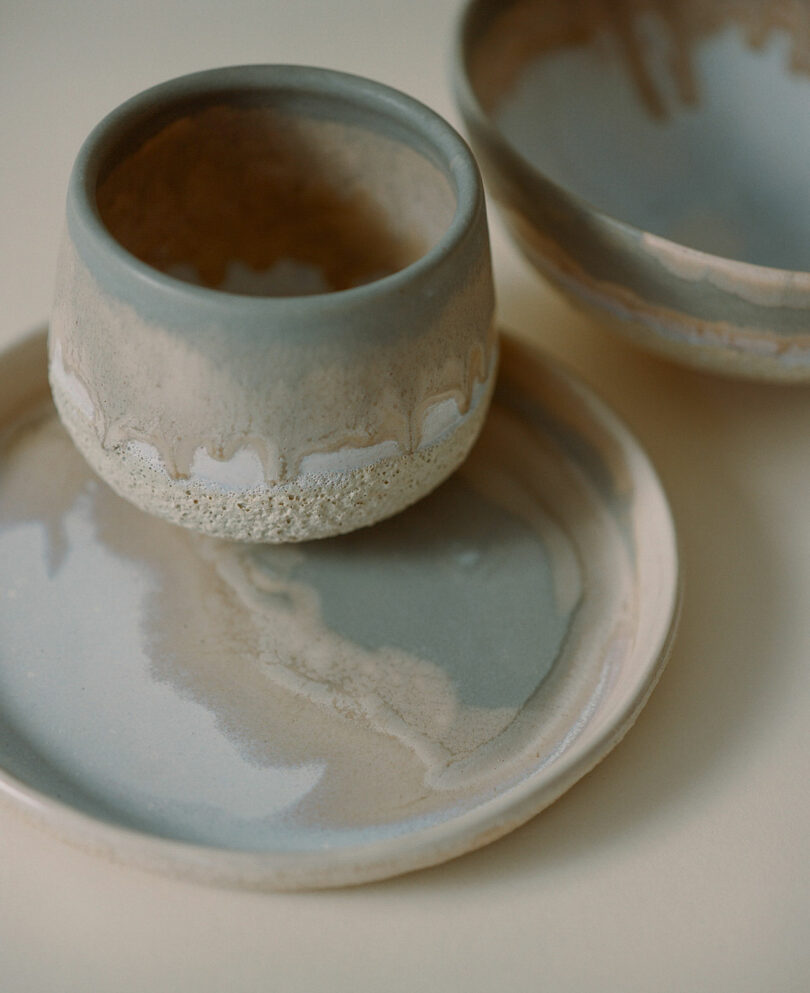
point(681, 862)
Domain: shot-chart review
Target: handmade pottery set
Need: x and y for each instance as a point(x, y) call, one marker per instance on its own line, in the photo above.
point(410, 604)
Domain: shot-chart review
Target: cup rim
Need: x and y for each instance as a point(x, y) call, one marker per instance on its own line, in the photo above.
point(434, 138)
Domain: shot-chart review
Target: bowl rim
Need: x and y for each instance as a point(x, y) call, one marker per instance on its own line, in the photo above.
point(434, 138)
point(472, 22)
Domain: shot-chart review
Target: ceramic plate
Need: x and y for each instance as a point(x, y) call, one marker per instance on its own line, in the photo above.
point(345, 710)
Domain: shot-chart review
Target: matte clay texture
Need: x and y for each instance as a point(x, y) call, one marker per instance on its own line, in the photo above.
point(333, 362)
point(334, 711)
point(650, 158)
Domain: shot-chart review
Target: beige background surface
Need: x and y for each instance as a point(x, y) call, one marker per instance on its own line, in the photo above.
point(681, 863)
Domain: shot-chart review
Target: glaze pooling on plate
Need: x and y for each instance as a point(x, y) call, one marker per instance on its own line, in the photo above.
point(338, 710)
point(650, 158)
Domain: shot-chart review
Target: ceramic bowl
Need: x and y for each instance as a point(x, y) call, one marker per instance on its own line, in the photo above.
point(651, 158)
point(273, 310)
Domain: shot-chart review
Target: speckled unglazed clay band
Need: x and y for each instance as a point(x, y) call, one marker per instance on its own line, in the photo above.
point(287, 417)
point(310, 505)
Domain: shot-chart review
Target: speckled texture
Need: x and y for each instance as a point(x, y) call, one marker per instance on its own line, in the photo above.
point(311, 505)
point(342, 405)
point(658, 182)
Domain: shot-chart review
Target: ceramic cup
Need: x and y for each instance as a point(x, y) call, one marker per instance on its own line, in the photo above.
point(650, 157)
point(274, 302)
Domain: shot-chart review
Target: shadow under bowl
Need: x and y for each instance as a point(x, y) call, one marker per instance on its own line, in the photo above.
point(650, 159)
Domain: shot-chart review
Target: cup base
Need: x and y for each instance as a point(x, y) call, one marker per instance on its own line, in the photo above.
point(312, 505)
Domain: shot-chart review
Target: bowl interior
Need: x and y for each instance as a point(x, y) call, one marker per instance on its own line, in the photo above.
point(683, 118)
point(266, 200)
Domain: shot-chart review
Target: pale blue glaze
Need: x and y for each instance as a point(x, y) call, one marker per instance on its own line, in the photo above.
point(438, 581)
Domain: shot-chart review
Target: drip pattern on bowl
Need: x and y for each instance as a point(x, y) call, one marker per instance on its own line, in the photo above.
point(650, 160)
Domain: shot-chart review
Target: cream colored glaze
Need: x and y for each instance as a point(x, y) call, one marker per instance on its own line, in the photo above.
point(753, 283)
point(757, 350)
point(234, 406)
point(528, 29)
point(243, 470)
point(312, 505)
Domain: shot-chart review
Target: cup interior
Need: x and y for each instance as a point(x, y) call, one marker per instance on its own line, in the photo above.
point(261, 193)
point(683, 118)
